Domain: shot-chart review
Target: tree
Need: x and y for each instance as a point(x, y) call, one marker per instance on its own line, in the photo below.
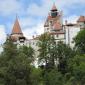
point(77, 76)
point(47, 50)
point(80, 41)
point(15, 68)
point(64, 54)
point(53, 77)
point(28, 52)
point(36, 76)
point(79, 69)
point(43, 45)
point(9, 53)
point(9, 49)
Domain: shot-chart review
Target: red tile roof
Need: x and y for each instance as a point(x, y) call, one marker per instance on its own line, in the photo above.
point(16, 27)
point(49, 17)
point(57, 26)
point(81, 19)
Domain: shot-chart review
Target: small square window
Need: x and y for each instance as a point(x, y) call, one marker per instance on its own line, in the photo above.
point(51, 22)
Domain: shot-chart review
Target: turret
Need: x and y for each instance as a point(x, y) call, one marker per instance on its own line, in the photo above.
point(17, 35)
point(54, 11)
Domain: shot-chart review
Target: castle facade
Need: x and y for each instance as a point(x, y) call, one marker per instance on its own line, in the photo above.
point(54, 26)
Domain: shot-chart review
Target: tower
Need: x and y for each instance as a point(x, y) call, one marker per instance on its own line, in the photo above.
point(81, 22)
point(53, 21)
point(54, 11)
point(54, 25)
point(17, 35)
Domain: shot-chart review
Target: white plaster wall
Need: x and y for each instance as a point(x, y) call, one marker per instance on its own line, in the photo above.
point(72, 31)
point(60, 36)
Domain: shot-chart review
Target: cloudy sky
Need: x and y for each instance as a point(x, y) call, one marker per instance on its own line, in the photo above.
point(32, 14)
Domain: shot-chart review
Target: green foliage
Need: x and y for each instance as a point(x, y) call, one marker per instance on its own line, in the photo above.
point(79, 69)
point(15, 68)
point(9, 48)
point(36, 76)
point(47, 50)
point(16, 63)
point(80, 41)
point(28, 52)
point(43, 47)
point(77, 75)
point(64, 54)
point(53, 77)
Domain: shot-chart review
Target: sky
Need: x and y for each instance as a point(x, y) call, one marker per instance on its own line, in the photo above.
point(32, 14)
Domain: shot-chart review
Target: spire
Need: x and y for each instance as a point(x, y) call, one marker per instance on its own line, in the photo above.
point(16, 27)
point(54, 7)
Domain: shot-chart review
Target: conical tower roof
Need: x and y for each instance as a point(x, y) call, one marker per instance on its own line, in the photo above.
point(54, 7)
point(16, 27)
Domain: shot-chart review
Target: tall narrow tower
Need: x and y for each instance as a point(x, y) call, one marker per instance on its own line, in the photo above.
point(54, 25)
point(54, 11)
point(17, 34)
point(53, 21)
point(16, 28)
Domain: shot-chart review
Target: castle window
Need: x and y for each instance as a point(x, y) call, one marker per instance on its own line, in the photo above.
point(57, 35)
point(51, 22)
point(54, 14)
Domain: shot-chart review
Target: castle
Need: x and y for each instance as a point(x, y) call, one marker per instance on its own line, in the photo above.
point(53, 25)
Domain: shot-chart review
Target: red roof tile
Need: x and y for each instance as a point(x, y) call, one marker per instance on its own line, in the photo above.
point(16, 27)
point(57, 26)
point(81, 19)
point(49, 17)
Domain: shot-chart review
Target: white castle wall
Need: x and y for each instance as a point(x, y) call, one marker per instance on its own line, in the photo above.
point(71, 32)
